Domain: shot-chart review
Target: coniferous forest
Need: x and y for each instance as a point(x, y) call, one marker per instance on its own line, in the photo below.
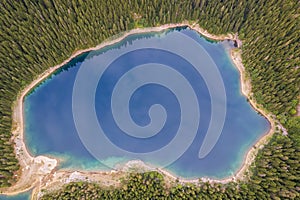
point(35, 35)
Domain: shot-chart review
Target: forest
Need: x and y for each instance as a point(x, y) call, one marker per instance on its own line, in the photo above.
point(35, 35)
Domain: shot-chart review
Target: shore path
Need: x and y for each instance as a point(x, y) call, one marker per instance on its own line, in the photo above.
point(40, 172)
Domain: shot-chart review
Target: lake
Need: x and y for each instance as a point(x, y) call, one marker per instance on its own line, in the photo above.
point(22, 196)
point(171, 99)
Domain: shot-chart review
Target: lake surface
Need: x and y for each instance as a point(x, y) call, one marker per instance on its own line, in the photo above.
point(171, 99)
point(22, 196)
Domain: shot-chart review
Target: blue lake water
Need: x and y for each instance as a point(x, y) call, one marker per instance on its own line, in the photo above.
point(22, 196)
point(171, 99)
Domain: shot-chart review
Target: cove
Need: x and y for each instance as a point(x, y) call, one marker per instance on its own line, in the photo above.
point(155, 97)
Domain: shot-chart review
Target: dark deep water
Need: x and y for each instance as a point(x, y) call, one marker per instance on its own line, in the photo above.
point(49, 115)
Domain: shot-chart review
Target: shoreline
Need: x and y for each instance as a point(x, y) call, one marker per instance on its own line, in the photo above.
point(298, 110)
point(36, 172)
point(235, 55)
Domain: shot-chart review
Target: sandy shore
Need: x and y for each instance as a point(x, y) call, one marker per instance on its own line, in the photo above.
point(246, 91)
point(40, 173)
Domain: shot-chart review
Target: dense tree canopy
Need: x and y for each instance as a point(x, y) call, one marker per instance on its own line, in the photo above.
point(35, 35)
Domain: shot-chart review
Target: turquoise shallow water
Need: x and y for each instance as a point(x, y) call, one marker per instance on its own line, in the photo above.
point(53, 127)
point(22, 196)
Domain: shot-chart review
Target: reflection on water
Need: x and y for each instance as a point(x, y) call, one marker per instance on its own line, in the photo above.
point(50, 127)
